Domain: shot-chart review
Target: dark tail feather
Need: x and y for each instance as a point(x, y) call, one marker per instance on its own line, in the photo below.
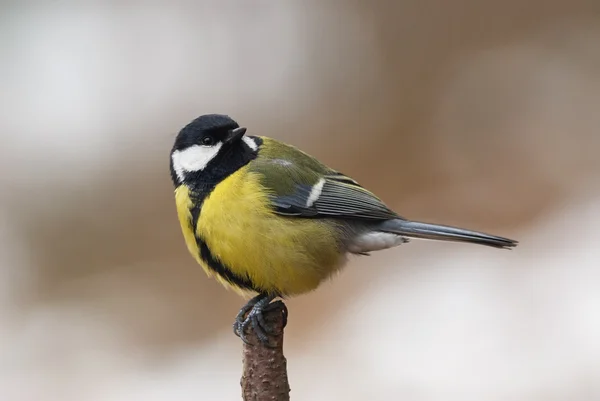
point(415, 229)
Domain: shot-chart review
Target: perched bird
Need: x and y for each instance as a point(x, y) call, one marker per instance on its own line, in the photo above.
point(263, 216)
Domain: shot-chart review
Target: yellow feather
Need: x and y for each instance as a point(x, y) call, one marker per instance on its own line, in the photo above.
point(184, 205)
point(280, 254)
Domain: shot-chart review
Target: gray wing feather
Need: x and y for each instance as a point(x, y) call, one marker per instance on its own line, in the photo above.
point(294, 204)
point(340, 197)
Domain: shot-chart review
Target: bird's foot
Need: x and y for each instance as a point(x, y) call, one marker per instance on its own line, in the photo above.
point(253, 314)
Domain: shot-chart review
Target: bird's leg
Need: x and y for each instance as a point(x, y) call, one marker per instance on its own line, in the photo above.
point(239, 319)
point(255, 309)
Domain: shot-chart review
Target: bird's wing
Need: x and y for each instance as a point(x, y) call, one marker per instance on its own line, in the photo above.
point(333, 196)
point(305, 188)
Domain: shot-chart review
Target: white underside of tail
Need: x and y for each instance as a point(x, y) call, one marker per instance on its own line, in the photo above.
point(375, 241)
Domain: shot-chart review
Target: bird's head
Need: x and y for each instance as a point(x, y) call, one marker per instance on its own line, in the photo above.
point(209, 148)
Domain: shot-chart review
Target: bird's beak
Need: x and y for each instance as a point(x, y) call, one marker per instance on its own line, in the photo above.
point(235, 135)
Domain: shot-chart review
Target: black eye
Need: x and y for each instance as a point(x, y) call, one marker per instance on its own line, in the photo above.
point(207, 140)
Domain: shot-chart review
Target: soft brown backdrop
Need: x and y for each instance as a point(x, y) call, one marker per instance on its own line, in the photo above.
point(482, 114)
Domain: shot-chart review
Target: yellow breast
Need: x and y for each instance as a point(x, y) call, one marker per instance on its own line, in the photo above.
point(282, 255)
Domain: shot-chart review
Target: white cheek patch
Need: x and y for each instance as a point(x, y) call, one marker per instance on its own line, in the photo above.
point(194, 158)
point(250, 142)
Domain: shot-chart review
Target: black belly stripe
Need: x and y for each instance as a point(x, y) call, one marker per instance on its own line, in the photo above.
point(222, 270)
point(195, 212)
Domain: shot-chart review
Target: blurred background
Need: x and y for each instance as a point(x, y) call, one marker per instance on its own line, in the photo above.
point(482, 114)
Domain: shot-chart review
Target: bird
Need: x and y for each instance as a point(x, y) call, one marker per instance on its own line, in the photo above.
point(266, 219)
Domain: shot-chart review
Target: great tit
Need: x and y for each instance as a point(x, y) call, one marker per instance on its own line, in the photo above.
point(264, 217)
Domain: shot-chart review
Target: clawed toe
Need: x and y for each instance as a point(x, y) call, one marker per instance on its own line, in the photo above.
point(254, 310)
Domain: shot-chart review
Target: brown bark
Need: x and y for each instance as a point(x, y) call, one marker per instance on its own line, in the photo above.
point(265, 367)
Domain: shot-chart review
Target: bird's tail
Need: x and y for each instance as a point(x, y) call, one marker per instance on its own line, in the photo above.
point(414, 229)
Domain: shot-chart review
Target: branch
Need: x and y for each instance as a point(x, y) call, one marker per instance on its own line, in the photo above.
point(265, 368)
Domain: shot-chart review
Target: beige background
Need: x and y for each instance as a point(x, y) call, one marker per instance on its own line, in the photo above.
point(482, 114)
